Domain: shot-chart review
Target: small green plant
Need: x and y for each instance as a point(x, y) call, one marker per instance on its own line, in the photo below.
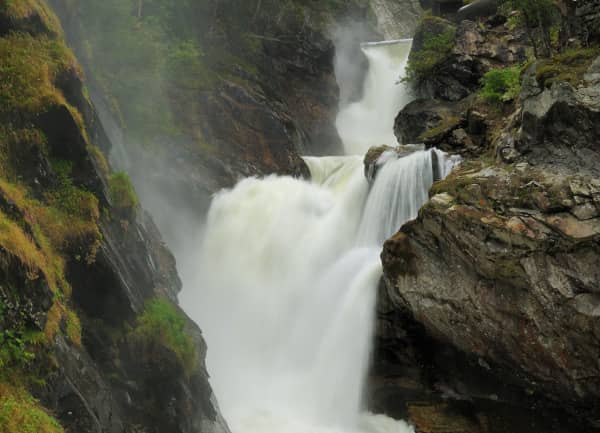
point(501, 85)
point(433, 44)
point(122, 193)
point(161, 322)
point(14, 344)
point(73, 327)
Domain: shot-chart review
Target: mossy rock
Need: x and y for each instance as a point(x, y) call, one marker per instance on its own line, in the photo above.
point(569, 66)
point(432, 45)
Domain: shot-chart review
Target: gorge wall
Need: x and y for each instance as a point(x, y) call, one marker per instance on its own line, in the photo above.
point(89, 321)
point(487, 316)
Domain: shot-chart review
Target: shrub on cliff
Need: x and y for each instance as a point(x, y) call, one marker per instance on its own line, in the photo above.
point(432, 45)
point(501, 85)
point(163, 324)
point(122, 193)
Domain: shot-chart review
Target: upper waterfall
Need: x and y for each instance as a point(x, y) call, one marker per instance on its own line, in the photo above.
point(370, 121)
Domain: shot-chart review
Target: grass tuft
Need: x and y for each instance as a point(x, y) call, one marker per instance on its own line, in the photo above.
point(21, 413)
point(161, 322)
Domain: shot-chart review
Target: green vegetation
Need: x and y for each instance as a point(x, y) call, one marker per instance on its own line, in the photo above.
point(433, 45)
point(21, 413)
point(23, 9)
point(122, 193)
point(162, 323)
point(569, 66)
point(99, 158)
point(446, 125)
point(73, 327)
point(39, 231)
point(501, 85)
point(28, 69)
point(13, 345)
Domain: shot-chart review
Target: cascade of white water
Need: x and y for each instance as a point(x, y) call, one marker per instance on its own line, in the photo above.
point(400, 189)
point(370, 121)
point(285, 285)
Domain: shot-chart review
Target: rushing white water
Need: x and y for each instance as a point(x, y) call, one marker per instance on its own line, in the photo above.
point(370, 121)
point(287, 279)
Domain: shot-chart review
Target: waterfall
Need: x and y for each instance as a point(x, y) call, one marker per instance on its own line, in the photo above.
point(286, 279)
point(370, 121)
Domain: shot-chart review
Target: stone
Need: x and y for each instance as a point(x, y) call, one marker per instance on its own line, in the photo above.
point(585, 211)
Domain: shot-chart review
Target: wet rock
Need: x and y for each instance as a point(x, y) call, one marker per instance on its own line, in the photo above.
point(428, 121)
point(560, 124)
point(515, 287)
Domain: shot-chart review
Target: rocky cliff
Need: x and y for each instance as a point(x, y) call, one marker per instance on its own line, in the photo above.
point(91, 336)
point(487, 318)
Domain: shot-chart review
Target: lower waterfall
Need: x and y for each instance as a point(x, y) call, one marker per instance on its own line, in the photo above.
point(288, 277)
point(286, 281)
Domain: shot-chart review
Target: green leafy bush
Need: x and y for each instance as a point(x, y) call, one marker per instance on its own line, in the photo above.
point(122, 193)
point(161, 322)
point(501, 85)
point(432, 45)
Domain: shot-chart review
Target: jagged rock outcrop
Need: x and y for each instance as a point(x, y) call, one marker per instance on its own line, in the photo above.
point(560, 121)
point(475, 50)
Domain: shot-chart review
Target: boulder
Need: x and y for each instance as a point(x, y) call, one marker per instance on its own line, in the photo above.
point(429, 121)
point(502, 267)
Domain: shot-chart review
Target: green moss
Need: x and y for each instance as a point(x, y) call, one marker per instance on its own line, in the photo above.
point(162, 323)
point(569, 66)
point(501, 85)
point(20, 245)
point(433, 44)
point(445, 126)
point(28, 68)
point(20, 10)
point(122, 193)
point(99, 158)
point(73, 326)
point(21, 413)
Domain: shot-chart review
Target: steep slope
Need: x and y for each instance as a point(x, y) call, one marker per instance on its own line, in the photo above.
point(88, 319)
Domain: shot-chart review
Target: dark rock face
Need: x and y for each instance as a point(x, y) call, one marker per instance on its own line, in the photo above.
point(561, 124)
point(588, 20)
point(275, 98)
